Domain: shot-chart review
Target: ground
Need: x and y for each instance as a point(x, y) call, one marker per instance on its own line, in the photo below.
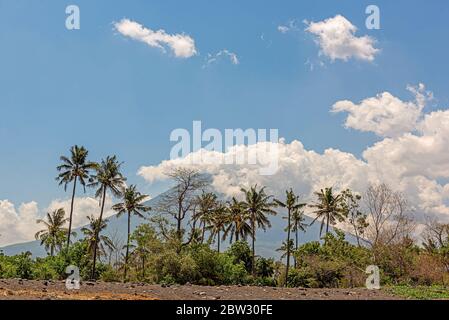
point(44, 290)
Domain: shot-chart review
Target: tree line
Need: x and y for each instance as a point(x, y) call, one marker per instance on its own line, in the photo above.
point(190, 217)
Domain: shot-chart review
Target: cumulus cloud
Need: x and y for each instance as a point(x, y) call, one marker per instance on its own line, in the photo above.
point(337, 40)
point(213, 58)
point(414, 163)
point(182, 45)
point(19, 224)
point(385, 114)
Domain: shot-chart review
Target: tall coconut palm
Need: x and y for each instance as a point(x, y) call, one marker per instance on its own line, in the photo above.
point(218, 222)
point(298, 224)
point(107, 177)
point(237, 223)
point(74, 169)
point(133, 204)
point(329, 208)
point(206, 204)
point(292, 204)
point(53, 236)
point(96, 241)
point(258, 205)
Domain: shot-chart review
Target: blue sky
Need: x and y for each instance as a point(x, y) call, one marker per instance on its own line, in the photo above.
point(97, 88)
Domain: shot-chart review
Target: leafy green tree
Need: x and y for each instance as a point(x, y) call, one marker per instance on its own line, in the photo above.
point(107, 177)
point(145, 242)
point(265, 267)
point(241, 253)
point(73, 169)
point(53, 236)
point(133, 204)
point(237, 223)
point(24, 265)
point(258, 205)
point(329, 208)
point(293, 205)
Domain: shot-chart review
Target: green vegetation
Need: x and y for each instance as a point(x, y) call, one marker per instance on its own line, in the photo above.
point(180, 240)
point(420, 292)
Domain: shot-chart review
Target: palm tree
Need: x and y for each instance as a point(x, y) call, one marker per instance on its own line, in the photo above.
point(107, 177)
point(298, 224)
point(206, 203)
point(53, 236)
point(73, 169)
point(329, 208)
point(258, 205)
point(237, 223)
point(285, 249)
point(292, 205)
point(218, 222)
point(133, 204)
point(95, 241)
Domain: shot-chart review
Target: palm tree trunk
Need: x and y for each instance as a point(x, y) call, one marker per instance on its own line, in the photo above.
point(143, 267)
point(288, 249)
point(204, 232)
point(218, 248)
point(296, 243)
point(253, 226)
point(97, 234)
point(71, 212)
point(127, 246)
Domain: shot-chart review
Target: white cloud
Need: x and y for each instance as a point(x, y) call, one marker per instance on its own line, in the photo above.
point(385, 114)
point(182, 45)
point(212, 58)
point(414, 163)
point(283, 29)
point(84, 206)
point(336, 39)
point(19, 225)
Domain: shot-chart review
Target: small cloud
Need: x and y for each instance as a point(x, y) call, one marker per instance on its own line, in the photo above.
point(182, 45)
point(336, 39)
point(283, 29)
point(212, 58)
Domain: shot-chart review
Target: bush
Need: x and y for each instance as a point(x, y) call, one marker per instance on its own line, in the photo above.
point(241, 253)
point(231, 273)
